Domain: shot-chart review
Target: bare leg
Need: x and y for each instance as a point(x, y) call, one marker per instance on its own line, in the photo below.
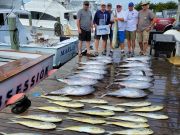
point(145, 47)
point(122, 46)
point(96, 44)
point(129, 45)
point(79, 47)
point(88, 47)
point(133, 45)
point(141, 46)
point(104, 42)
point(111, 45)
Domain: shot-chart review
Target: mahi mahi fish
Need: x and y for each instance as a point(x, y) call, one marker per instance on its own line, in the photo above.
point(103, 113)
point(129, 124)
point(42, 117)
point(92, 76)
point(57, 98)
point(129, 118)
point(138, 131)
point(87, 120)
point(136, 104)
point(35, 124)
point(93, 101)
point(147, 109)
point(84, 129)
point(135, 84)
point(74, 91)
point(2, 133)
point(78, 81)
point(152, 115)
point(53, 109)
point(128, 93)
point(136, 77)
point(68, 104)
point(112, 108)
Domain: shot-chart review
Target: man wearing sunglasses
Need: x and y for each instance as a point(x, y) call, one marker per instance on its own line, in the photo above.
point(121, 18)
point(85, 25)
point(102, 17)
point(145, 24)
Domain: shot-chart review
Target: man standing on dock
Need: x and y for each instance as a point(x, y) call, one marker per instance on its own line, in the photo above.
point(101, 18)
point(85, 26)
point(145, 23)
point(131, 27)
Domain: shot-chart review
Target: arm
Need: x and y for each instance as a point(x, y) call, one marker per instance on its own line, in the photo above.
point(78, 22)
point(95, 21)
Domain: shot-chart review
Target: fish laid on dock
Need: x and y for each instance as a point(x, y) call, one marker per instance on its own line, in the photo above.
point(129, 118)
point(152, 115)
point(96, 67)
point(84, 129)
point(56, 98)
point(112, 108)
point(35, 124)
point(128, 93)
point(53, 109)
point(135, 84)
point(2, 133)
point(93, 101)
point(87, 120)
point(128, 124)
point(74, 91)
point(139, 58)
point(96, 71)
point(102, 113)
point(138, 131)
point(135, 104)
point(78, 81)
point(42, 117)
point(136, 73)
point(136, 68)
point(68, 104)
point(147, 109)
point(91, 76)
point(136, 77)
point(134, 64)
point(92, 63)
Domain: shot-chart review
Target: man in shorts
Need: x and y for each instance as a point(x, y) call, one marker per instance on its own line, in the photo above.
point(131, 27)
point(102, 17)
point(145, 24)
point(85, 25)
point(121, 18)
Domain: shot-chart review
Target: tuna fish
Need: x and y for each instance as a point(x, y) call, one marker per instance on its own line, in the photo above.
point(74, 91)
point(92, 76)
point(139, 58)
point(84, 129)
point(136, 77)
point(97, 67)
point(93, 63)
point(78, 81)
point(35, 124)
point(134, 64)
point(137, 73)
point(135, 84)
point(136, 68)
point(96, 71)
point(128, 93)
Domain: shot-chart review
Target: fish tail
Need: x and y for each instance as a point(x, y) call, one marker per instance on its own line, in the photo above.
point(60, 80)
point(12, 121)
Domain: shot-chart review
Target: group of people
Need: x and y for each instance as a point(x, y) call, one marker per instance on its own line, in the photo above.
point(131, 25)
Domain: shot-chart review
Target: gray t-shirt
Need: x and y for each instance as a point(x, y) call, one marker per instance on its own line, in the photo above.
point(144, 19)
point(85, 18)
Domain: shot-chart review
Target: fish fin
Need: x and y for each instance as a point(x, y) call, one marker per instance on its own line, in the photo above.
point(103, 96)
point(74, 111)
point(109, 133)
point(2, 133)
point(60, 129)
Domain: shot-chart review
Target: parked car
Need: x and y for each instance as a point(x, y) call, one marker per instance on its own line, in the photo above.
point(163, 24)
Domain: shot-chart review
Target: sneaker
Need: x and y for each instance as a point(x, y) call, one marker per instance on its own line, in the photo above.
point(122, 53)
point(104, 52)
point(96, 54)
point(132, 54)
point(111, 53)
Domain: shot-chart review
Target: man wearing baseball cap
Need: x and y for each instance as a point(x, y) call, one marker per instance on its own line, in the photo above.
point(131, 27)
point(145, 24)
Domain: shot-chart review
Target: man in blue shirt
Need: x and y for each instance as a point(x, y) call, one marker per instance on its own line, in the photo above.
point(102, 17)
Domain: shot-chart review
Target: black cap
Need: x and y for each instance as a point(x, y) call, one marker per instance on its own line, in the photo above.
point(86, 2)
point(109, 4)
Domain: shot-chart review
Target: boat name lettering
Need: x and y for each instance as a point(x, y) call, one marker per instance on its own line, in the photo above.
point(67, 50)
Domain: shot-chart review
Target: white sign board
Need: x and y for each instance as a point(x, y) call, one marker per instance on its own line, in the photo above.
point(102, 30)
point(24, 81)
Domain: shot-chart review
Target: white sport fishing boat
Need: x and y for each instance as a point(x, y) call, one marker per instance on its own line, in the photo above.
point(44, 14)
point(31, 41)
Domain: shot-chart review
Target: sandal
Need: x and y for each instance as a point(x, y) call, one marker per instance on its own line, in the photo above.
point(80, 54)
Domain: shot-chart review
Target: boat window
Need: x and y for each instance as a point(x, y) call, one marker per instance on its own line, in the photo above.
point(42, 16)
point(75, 17)
point(23, 16)
point(66, 16)
point(1, 19)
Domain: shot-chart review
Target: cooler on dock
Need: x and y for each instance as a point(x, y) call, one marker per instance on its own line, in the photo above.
point(163, 44)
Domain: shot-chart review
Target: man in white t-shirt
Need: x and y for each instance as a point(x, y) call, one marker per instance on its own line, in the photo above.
point(131, 27)
point(121, 18)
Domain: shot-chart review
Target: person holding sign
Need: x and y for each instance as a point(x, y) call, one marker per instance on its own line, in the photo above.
point(121, 18)
point(102, 28)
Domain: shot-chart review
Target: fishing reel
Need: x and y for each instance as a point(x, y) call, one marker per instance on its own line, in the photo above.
point(19, 102)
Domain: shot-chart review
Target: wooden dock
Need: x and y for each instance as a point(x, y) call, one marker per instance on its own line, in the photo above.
point(166, 91)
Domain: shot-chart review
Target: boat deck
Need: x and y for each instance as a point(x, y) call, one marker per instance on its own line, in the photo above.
point(166, 91)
